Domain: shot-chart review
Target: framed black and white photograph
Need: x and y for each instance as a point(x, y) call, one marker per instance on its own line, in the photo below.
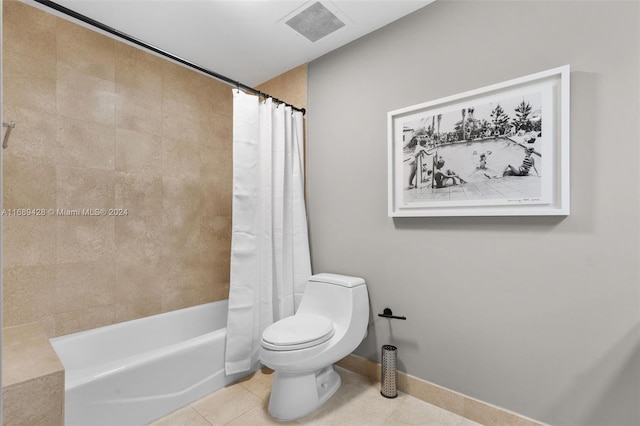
point(501, 150)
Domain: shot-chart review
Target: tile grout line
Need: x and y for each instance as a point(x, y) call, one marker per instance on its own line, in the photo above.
point(200, 414)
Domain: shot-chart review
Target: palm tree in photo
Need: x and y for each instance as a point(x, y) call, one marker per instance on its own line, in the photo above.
point(433, 123)
point(472, 121)
point(464, 132)
point(499, 119)
point(522, 121)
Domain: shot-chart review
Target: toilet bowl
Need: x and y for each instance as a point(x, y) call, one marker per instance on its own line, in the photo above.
point(330, 323)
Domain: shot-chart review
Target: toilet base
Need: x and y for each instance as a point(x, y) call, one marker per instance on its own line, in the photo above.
point(294, 395)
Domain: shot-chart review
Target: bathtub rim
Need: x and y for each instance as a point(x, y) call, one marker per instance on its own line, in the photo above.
point(77, 376)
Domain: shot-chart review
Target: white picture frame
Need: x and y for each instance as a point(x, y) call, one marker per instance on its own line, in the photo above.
point(501, 150)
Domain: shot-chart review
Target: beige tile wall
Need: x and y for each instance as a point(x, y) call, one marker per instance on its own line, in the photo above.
point(32, 378)
point(290, 86)
point(101, 124)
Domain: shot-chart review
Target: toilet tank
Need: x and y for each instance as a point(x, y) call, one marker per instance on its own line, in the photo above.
point(338, 297)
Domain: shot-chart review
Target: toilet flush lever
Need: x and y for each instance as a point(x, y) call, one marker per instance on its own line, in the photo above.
point(386, 313)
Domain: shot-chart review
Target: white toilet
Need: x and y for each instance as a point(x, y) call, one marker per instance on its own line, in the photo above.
point(330, 323)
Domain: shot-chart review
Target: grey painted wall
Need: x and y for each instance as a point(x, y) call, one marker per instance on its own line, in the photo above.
point(536, 315)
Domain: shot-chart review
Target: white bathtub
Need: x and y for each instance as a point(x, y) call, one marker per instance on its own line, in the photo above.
point(135, 372)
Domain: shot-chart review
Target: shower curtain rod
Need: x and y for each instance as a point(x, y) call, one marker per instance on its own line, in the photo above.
point(120, 34)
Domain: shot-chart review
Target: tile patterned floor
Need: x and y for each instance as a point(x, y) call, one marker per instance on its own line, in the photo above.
point(357, 402)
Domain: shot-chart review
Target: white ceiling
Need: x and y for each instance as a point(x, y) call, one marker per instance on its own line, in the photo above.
point(245, 40)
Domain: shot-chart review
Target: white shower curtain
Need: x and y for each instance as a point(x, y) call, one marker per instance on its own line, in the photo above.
point(270, 262)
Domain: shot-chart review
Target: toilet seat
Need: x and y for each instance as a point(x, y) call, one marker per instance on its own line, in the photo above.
point(297, 332)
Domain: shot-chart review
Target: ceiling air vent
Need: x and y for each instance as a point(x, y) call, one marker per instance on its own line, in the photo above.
point(315, 22)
